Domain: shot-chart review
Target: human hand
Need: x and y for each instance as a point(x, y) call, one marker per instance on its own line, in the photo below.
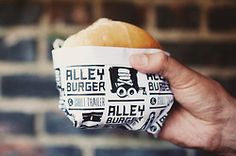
point(206, 114)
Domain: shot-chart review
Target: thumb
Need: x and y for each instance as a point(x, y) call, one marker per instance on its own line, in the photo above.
point(178, 75)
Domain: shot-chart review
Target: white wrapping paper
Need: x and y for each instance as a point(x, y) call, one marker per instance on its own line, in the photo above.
point(98, 88)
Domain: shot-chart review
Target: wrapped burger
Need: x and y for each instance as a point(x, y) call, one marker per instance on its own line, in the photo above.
point(98, 87)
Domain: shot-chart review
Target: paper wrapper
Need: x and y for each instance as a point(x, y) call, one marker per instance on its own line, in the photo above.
point(98, 88)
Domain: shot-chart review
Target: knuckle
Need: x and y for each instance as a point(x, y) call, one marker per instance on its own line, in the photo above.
point(156, 63)
point(164, 59)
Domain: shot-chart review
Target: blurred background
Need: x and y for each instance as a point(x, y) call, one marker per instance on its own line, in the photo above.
point(199, 33)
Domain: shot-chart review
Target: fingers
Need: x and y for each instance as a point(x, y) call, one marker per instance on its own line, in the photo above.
point(149, 63)
point(190, 88)
point(165, 65)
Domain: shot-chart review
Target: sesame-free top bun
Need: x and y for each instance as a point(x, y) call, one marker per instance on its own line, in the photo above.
point(105, 32)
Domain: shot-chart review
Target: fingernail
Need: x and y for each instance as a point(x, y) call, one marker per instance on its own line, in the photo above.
point(162, 51)
point(139, 60)
point(167, 53)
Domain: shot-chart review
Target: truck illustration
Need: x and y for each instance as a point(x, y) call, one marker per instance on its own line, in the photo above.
point(124, 81)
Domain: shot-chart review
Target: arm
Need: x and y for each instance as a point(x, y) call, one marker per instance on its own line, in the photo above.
point(206, 114)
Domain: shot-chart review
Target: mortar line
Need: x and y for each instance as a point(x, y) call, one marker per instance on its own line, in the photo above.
point(150, 16)
point(97, 9)
point(190, 152)
point(203, 18)
point(42, 47)
point(87, 151)
point(1, 87)
point(39, 125)
point(178, 35)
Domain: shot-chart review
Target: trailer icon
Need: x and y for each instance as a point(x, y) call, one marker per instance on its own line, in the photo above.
point(124, 81)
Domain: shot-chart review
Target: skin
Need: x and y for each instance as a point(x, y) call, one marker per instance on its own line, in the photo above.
point(205, 115)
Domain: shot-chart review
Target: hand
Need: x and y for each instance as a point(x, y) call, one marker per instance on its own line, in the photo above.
point(206, 114)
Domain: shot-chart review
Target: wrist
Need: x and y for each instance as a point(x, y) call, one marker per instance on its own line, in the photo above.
point(228, 134)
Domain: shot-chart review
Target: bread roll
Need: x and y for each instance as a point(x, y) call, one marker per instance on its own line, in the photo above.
point(105, 32)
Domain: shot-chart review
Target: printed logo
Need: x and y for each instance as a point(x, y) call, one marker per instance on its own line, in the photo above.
point(124, 81)
point(92, 119)
point(58, 77)
point(93, 116)
point(149, 121)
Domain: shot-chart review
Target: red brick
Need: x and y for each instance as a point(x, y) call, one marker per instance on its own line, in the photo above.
point(27, 149)
point(22, 149)
point(222, 18)
point(20, 13)
point(229, 83)
point(29, 86)
point(71, 12)
point(24, 50)
point(204, 153)
point(203, 53)
point(125, 11)
point(178, 16)
point(62, 151)
point(16, 123)
point(140, 152)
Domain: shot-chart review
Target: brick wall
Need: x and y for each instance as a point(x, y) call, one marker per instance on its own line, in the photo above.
point(199, 33)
